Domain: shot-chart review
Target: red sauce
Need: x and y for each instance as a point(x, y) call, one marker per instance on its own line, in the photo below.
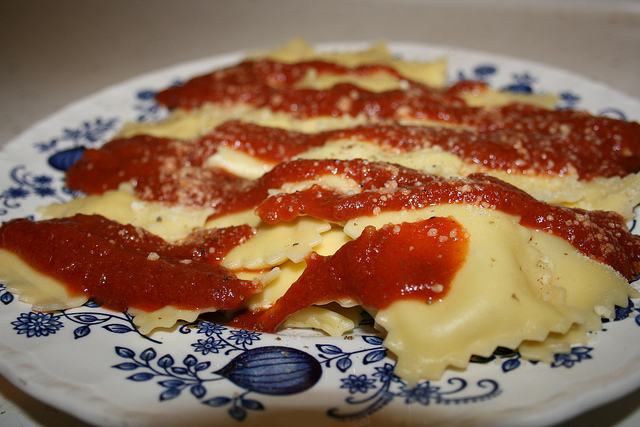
point(522, 150)
point(389, 187)
point(172, 171)
point(122, 266)
point(600, 235)
point(415, 261)
point(274, 85)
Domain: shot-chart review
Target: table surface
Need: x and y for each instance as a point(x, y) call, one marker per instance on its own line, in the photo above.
point(53, 53)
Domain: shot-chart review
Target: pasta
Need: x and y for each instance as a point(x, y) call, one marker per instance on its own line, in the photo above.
point(296, 189)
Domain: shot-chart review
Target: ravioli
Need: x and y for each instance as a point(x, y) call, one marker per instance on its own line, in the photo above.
point(470, 127)
point(296, 189)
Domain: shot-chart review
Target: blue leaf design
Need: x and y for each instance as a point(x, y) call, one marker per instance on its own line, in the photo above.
point(148, 354)
point(91, 304)
point(198, 390)
point(510, 365)
point(237, 413)
point(217, 402)
point(202, 366)
point(329, 349)
point(127, 366)
point(190, 361)
point(623, 313)
point(125, 352)
point(146, 94)
point(374, 356)
point(166, 361)
point(142, 376)
point(118, 329)
point(344, 364)
point(82, 331)
point(484, 70)
point(6, 298)
point(171, 383)
point(372, 340)
point(171, 393)
point(178, 370)
point(252, 404)
point(85, 318)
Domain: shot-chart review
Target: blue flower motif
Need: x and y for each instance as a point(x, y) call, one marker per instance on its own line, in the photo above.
point(15, 193)
point(523, 83)
point(524, 79)
point(242, 337)
point(147, 106)
point(210, 329)
point(37, 324)
point(26, 185)
point(46, 146)
point(423, 393)
point(42, 180)
point(209, 345)
point(89, 131)
point(386, 375)
point(569, 100)
point(357, 384)
point(44, 191)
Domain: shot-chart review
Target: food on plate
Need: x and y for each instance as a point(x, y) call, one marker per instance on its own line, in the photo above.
point(404, 115)
point(297, 189)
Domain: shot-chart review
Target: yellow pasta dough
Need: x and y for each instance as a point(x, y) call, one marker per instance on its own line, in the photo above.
point(517, 284)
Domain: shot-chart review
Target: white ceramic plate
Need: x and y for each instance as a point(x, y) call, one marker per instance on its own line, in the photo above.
point(93, 364)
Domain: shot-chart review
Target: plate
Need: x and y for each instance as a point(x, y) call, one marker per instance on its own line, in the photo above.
point(93, 364)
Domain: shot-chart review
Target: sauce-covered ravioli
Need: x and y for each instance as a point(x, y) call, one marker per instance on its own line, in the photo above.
point(516, 284)
point(299, 189)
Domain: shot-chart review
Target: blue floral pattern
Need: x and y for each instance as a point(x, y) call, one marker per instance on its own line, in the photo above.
point(272, 370)
point(520, 82)
point(220, 337)
point(25, 184)
point(117, 323)
point(87, 133)
point(382, 386)
point(146, 106)
point(36, 324)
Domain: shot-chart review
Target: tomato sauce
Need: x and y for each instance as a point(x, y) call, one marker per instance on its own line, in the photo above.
point(600, 235)
point(122, 266)
point(415, 261)
point(266, 83)
point(390, 187)
point(542, 137)
point(173, 171)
